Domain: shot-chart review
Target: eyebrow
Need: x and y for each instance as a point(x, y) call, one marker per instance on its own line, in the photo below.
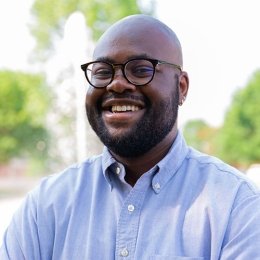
point(110, 60)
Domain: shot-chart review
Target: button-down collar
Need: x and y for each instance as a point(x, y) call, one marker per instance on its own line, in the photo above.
point(163, 171)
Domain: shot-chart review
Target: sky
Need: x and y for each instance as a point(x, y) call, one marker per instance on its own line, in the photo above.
point(220, 41)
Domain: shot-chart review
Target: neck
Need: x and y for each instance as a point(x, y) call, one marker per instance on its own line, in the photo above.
point(136, 166)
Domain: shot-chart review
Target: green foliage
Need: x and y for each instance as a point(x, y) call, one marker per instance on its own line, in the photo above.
point(23, 106)
point(240, 136)
point(200, 136)
point(50, 16)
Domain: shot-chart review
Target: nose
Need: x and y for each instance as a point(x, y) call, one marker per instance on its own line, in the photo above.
point(119, 83)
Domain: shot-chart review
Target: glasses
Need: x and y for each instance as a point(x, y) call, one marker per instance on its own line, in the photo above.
point(138, 72)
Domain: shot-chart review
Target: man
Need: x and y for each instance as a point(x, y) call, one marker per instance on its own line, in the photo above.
point(149, 195)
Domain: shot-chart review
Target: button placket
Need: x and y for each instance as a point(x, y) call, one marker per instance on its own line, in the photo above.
point(128, 223)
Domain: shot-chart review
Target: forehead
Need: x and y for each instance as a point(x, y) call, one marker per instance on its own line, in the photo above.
point(135, 38)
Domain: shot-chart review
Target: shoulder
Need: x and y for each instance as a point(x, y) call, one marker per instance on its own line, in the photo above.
point(70, 181)
point(76, 171)
point(220, 174)
point(220, 189)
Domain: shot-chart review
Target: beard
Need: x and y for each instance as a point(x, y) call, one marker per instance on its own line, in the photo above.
point(155, 124)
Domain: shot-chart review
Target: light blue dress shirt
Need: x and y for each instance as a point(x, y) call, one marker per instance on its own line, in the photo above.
point(189, 206)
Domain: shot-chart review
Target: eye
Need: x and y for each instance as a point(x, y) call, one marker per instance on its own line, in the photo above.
point(142, 71)
point(140, 68)
point(101, 71)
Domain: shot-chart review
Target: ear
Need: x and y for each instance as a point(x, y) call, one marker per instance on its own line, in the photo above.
point(183, 87)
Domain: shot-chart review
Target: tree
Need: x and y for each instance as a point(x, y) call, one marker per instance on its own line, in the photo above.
point(200, 135)
point(23, 106)
point(240, 135)
point(50, 16)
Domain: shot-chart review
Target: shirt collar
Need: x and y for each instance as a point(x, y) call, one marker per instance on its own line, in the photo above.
point(107, 162)
point(171, 163)
point(166, 168)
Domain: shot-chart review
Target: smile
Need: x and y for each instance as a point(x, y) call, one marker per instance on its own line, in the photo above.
point(122, 113)
point(124, 108)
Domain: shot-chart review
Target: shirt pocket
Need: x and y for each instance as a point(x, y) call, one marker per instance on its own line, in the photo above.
point(169, 257)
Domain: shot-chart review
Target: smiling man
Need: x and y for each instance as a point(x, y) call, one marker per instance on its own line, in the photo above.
point(148, 195)
point(133, 104)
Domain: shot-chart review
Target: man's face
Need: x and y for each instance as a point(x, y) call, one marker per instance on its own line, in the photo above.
point(151, 110)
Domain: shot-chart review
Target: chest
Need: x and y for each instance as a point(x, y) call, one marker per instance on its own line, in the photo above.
point(136, 225)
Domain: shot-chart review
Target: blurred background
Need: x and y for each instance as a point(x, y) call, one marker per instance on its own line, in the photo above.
point(43, 127)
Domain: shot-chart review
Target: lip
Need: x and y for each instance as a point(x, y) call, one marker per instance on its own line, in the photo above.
point(122, 117)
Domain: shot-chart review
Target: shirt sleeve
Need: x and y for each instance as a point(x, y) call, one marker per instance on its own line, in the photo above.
point(242, 239)
point(21, 238)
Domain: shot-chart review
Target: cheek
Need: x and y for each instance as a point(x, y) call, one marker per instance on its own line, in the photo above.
point(161, 89)
point(93, 96)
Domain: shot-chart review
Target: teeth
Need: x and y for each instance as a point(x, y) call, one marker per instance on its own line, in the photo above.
point(124, 108)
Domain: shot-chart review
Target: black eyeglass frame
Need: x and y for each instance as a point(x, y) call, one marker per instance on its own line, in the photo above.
point(123, 65)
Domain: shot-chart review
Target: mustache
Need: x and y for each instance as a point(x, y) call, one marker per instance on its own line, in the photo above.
point(125, 95)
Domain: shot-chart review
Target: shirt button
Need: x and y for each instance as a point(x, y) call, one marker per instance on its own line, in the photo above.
point(124, 252)
point(131, 208)
point(118, 170)
point(157, 186)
